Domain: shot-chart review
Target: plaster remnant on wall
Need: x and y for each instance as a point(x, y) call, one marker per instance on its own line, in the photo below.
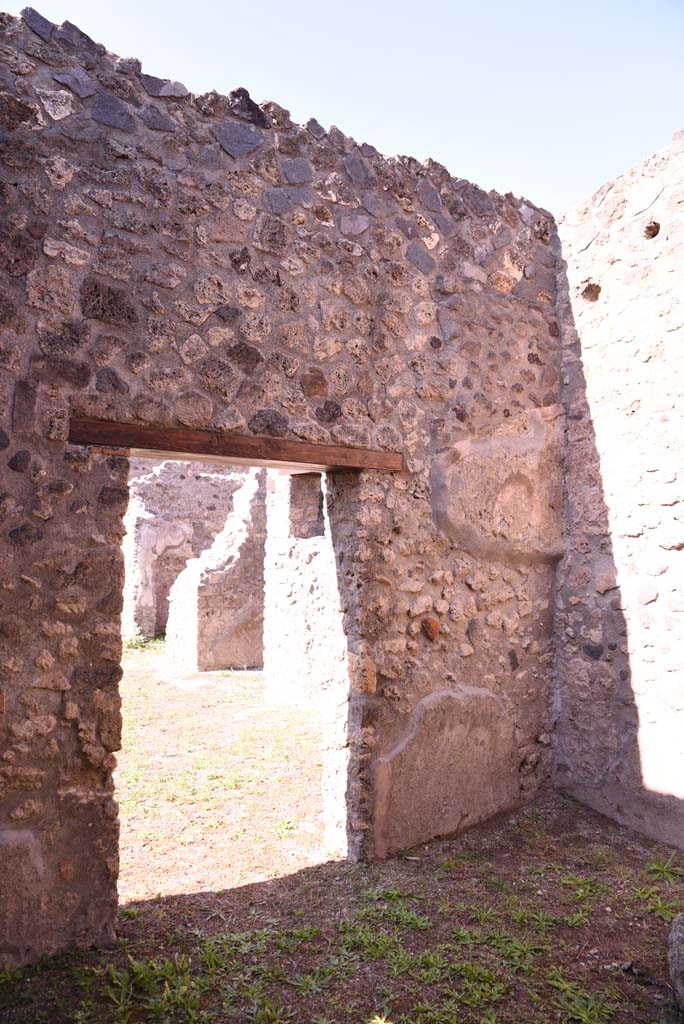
point(471, 720)
point(620, 595)
point(498, 496)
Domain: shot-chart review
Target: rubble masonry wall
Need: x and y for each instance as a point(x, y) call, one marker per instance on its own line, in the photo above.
point(202, 261)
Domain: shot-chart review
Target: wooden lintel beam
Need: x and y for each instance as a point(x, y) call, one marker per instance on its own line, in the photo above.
point(209, 446)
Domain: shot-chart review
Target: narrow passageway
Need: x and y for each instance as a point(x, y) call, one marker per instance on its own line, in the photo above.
point(216, 787)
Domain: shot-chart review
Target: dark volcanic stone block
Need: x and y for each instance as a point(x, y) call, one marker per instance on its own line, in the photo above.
point(78, 81)
point(237, 139)
point(110, 110)
point(37, 23)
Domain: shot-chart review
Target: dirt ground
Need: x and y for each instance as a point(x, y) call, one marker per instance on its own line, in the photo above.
point(551, 915)
point(216, 788)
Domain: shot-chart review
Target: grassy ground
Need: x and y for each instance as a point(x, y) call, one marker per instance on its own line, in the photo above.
point(553, 914)
point(216, 788)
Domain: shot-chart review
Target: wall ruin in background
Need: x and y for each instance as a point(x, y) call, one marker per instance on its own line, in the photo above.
point(216, 604)
point(202, 261)
point(175, 511)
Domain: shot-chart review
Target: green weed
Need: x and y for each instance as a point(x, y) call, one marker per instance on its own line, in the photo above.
point(293, 938)
point(576, 1005)
point(496, 884)
point(665, 910)
point(129, 913)
point(269, 1011)
point(645, 892)
point(315, 982)
point(585, 1009)
point(665, 870)
point(541, 921)
point(517, 955)
point(141, 643)
point(580, 917)
point(583, 888)
point(372, 944)
point(483, 915)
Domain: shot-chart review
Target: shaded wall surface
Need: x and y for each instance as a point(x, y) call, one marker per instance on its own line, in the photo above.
point(175, 510)
point(620, 615)
point(202, 261)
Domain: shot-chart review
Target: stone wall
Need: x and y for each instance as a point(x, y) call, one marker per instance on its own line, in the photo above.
point(620, 613)
point(175, 510)
point(216, 604)
point(202, 261)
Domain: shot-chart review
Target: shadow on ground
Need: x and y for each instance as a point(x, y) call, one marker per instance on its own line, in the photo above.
point(551, 914)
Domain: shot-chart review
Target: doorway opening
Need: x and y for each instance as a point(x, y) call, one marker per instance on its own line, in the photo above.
point(235, 689)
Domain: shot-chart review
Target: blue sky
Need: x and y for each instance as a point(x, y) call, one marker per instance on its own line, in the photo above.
point(542, 99)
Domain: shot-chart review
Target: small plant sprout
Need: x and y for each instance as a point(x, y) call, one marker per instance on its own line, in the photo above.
point(665, 870)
